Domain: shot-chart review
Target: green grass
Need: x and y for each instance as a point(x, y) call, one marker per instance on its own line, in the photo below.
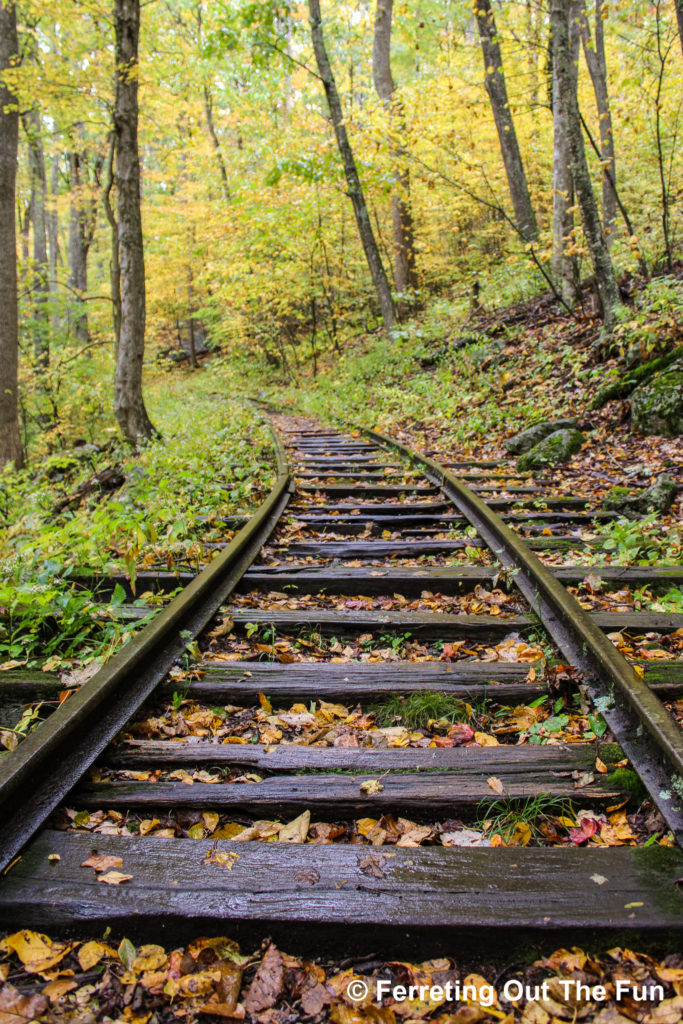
point(214, 459)
point(416, 710)
point(503, 818)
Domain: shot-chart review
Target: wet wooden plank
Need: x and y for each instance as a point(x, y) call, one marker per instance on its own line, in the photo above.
point(349, 682)
point(423, 795)
point(420, 625)
point(438, 625)
point(346, 898)
point(377, 548)
point(416, 548)
point(353, 580)
point(347, 491)
point(506, 761)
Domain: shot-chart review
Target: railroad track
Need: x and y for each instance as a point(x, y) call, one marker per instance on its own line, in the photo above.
point(356, 528)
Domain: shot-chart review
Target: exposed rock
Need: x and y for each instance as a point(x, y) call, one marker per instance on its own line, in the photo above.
point(657, 407)
point(554, 449)
point(527, 439)
point(659, 497)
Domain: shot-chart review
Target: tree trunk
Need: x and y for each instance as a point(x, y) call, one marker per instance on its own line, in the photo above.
point(41, 287)
point(401, 212)
point(129, 405)
point(679, 17)
point(52, 224)
point(605, 279)
point(215, 141)
point(10, 441)
point(494, 80)
point(114, 267)
point(597, 67)
point(355, 189)
point(190, 300)
point(565, 267)
point(78, 250)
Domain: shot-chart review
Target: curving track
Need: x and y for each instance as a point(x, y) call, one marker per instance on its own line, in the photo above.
point(367, 518)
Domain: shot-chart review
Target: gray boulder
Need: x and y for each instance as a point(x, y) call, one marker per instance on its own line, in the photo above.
point(553, 450)
point(659, 497)
point(529, 438)
point(657, 407)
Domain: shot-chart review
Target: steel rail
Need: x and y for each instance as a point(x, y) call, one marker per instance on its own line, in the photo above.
point(650, 738)
point(37, 775)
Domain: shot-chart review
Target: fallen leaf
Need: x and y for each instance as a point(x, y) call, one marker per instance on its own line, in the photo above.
point(267, 983)
point(496, 785)
point(371, 786)
point(102, 861)
point(297, 830)
point(92, 952)
point(15, 1008)
point(114, 878)
point(37, 952)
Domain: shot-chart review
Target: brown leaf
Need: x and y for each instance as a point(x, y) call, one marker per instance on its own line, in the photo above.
point(102, 861)
point(372, 866)
point(16, 1009)
point(496, 785)
point(267, 984)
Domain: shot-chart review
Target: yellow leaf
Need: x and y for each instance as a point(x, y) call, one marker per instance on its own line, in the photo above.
point(371, 786)
point(91, 953)
point(210, 819)
point(150, 958)
point(114, 878)
point(297, 830)
point(37, 952)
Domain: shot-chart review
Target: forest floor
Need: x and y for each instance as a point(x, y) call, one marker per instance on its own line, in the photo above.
point(456, 391)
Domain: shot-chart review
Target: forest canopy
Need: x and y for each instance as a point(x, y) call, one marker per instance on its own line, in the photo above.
point(250, 241)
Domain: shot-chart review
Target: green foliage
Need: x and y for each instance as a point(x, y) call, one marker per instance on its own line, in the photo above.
point(214, 460)
point(510, 818)
point(640, 542)
point(416, 710)
point(48, 620)
point(653, 325)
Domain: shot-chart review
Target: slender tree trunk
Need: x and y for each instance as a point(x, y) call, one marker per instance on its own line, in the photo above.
point(605, 278)
point(52, 223)
point(597, 67)
point(41, 287)
point(533, 46)
point(565, 267)
point(129, 405)
point(401, 212)
point(679, 17)
point(496, 88)
point(355, 189)
point(114, 266)
point(78, 249)
point(10, 441)
point(215, 142)
point(190, 299)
